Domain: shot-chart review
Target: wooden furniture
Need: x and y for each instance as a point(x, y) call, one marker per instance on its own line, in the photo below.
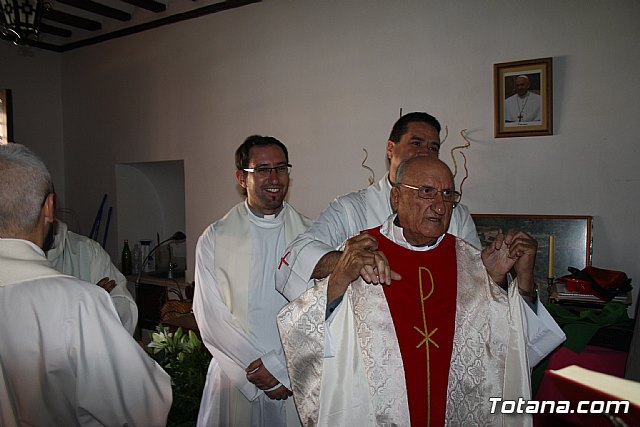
point(151, 292)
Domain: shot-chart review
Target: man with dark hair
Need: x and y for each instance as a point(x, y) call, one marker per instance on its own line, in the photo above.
point(432, 348)
point(235, 303)
point(65, 358)
point(313, 254)
point(243, 153)
point(400, 126)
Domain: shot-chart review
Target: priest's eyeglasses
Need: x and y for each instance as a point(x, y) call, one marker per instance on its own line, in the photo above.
point(264, 172)
point(426, 192)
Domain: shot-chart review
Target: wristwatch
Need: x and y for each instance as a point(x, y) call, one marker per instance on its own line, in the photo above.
point(531, 294)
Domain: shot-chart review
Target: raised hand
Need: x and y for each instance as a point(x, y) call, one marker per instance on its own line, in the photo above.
point(517, 250)
point(523, 247)
point(360, 258)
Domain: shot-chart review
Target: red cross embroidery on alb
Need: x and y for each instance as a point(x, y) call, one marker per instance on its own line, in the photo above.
point(283, 260)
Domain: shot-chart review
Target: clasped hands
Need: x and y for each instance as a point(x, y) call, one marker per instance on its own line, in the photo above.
point(360, 258)
point(517, 250)
point(259, 375)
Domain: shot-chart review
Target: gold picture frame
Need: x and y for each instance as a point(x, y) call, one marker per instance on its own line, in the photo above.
point(523, 98)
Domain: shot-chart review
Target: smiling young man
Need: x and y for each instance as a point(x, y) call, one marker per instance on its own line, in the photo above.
point(235, 303)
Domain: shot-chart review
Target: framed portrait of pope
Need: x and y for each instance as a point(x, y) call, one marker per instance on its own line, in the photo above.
point(523, 101)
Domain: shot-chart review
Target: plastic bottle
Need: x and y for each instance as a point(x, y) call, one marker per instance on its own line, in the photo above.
point(149, 265)
point(137, 258)
point(126, 259)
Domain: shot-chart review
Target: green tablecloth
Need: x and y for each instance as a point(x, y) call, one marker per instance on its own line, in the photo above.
point(580, 327)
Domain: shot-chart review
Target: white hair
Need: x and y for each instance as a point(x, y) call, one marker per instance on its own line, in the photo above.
point(25, 182)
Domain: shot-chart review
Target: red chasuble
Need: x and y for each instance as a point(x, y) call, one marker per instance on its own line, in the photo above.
point(423, 308)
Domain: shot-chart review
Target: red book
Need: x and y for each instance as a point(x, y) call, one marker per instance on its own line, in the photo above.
point(596, 397)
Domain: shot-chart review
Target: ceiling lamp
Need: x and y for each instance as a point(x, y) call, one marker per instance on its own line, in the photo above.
point(20, 19)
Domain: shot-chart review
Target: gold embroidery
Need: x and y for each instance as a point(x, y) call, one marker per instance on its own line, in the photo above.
point(425, 337)
point(425, 332)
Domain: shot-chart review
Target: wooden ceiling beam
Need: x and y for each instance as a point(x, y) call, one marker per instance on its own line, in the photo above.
point(55, 31)
point(151, 5)
point(99, 9)
point(78, 22)
point(71, 20)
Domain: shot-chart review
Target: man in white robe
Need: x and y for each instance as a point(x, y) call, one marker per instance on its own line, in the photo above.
point(65, 358)
point(523, 107)
point(313, 255)
point(375, 373)
point(235, 301)
point(84, 258)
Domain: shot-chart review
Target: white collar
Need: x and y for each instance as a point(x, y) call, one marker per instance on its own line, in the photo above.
point(395, 233)
point(266, 221)
point(22, 260)
point(387, 181)
point(13, 241)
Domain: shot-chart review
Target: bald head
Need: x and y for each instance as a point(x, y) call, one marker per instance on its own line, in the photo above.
point(423, 218)
point(420, 165)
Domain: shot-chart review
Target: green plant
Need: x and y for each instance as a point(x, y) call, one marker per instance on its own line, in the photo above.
point(186, 361)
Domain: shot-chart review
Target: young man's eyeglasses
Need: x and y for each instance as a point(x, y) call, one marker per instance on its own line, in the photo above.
point(263, 171)
point(426, 192)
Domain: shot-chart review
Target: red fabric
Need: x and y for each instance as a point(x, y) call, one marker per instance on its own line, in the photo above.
point(597, 359)
point(426, 366)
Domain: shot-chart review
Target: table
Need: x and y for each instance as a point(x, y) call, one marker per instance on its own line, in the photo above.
point(151, 292)
point(597, 339)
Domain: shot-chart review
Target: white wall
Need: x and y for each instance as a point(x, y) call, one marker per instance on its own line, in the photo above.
point(150, 199)
point(33, 76)
point(329, 78)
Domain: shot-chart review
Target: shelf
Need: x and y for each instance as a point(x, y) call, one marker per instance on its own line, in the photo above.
point(151, 279)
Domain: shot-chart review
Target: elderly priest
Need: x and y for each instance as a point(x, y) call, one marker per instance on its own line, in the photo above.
point(431, 348)
point(65, 358)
